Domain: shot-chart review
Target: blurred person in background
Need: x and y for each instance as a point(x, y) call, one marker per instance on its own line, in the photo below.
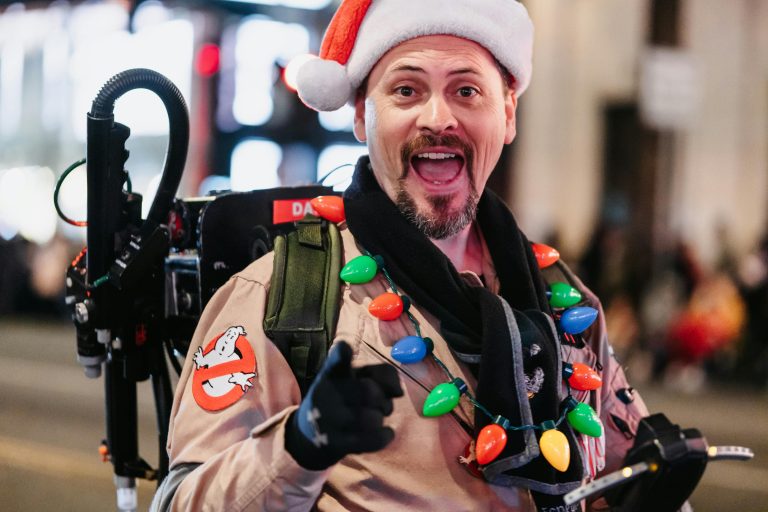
point(752, 360)
point(708, 327)
point(13, 273)
point(31, 280)
point(45, 272)
point(692, 318)
point(604, 269)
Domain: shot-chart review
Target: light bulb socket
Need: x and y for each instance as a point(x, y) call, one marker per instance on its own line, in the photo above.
point(460, 385)
point(570, 403)
point(567, 370)
point(501, 421)
point(429, 343)
point(548, 425)
point(406, 303)
point(379, 261)
point(626, 395)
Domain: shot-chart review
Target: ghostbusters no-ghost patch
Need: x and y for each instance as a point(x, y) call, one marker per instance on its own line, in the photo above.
point(223, 370)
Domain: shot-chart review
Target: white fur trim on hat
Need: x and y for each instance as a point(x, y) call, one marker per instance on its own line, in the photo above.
point(323, 84)
point(503, 27)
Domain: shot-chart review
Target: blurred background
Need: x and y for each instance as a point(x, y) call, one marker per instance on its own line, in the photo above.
point(642, 155)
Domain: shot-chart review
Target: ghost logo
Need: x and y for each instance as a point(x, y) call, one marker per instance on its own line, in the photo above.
point(223, 370)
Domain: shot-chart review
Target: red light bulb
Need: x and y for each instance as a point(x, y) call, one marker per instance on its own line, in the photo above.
point(545, 255)
point(582, 377)
point(330, 208)
point(490, 443)
point(387, 306)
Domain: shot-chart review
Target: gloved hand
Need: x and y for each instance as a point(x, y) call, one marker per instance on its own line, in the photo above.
point(343, 411)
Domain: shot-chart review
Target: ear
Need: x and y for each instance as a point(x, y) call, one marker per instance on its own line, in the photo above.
point(510, 111)
point(359, 125)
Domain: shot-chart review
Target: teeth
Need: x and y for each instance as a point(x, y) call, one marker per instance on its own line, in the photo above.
point(436, 156)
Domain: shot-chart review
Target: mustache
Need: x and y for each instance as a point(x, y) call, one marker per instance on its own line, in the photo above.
point(421, 142)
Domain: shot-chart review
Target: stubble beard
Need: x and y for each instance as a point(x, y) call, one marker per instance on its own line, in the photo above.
point(440, 221)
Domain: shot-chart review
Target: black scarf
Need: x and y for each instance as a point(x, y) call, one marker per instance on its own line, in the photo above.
point(500, 342)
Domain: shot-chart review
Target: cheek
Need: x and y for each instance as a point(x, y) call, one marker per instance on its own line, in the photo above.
point(387, 131)
point(490, 143)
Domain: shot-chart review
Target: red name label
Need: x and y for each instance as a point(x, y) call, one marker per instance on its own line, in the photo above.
point(290, 210)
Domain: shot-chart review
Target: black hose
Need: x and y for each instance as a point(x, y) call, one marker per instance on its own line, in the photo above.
point(178, 122)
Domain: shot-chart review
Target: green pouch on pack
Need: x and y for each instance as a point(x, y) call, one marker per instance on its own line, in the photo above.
point(303, 303)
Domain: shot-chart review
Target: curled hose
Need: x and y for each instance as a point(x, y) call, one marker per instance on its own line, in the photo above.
point(178, 122)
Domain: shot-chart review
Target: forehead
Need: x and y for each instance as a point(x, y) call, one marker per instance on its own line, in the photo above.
point(437, 52)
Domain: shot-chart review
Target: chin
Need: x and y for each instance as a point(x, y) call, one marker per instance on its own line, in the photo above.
point(438, 216)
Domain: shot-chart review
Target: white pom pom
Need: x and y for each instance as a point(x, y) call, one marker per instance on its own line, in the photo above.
point(323, 84)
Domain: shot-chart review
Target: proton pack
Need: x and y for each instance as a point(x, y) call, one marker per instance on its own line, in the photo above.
point(138, 289)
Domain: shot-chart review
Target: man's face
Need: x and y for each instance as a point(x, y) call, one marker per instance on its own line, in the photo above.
point(436, 115)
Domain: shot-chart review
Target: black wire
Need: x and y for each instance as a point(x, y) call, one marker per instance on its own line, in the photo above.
point(60, 182)
point(67, 171)
point(172, 356)
point(327, 175)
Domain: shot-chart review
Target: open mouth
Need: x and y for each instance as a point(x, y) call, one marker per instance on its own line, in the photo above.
point(438, 167)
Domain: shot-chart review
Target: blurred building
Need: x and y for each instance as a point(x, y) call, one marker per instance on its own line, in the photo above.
point(648, 113)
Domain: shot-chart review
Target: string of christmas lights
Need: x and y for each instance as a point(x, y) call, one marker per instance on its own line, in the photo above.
point(445, 396)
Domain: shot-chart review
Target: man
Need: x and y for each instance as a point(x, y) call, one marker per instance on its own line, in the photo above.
point(435, 85)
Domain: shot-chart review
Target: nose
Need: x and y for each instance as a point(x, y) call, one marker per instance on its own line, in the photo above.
point(436, 115)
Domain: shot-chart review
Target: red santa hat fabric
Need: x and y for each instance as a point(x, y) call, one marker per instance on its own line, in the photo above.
point(362, 31)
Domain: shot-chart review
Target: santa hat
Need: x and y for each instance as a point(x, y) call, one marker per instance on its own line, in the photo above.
point(362, 31)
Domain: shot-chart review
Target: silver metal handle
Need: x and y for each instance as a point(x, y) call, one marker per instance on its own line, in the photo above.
point(628, 473)
point(729, 453)
point(619, 477)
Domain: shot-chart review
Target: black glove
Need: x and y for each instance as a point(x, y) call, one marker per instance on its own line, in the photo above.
point(343, 411)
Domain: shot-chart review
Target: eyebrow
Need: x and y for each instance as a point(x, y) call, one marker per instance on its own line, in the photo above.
point(417, 69)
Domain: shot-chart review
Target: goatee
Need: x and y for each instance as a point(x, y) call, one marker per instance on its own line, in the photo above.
point(441, 221)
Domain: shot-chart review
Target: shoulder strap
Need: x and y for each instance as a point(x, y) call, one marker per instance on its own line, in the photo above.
point(304, 295)
point(560, 272)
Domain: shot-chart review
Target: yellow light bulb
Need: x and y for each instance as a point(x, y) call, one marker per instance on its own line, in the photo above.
point(554, 446)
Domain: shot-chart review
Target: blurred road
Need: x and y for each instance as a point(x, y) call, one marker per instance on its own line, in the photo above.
point(51, 423)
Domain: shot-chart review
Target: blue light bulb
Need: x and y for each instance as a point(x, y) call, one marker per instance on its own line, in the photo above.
point(577, 320)
point(410, 349)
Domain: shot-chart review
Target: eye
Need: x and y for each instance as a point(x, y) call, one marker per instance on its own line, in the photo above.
point(467, 91)
point(405, 90)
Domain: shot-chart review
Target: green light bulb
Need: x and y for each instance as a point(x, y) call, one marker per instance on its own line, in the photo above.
point(584, 419)
point(563, 295)
point(359, 270)
point(443, 398)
